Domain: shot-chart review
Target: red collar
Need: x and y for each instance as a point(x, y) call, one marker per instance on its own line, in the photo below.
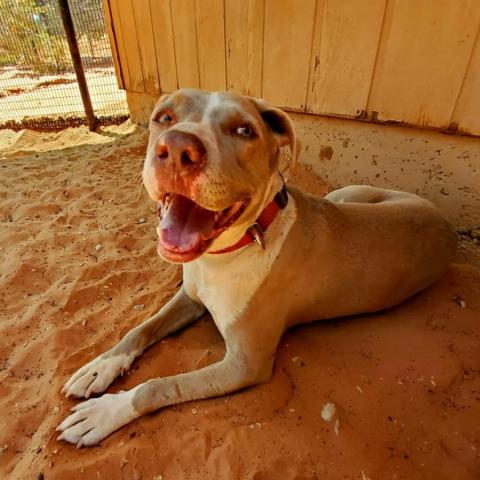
point(257, 231)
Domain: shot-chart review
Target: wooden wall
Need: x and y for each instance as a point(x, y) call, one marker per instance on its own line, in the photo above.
point(411, 61)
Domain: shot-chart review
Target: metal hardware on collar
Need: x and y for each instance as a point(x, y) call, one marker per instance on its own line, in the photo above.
point(282, 197)
point(258, 234)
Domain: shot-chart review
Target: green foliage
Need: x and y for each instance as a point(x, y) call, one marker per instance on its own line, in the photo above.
point(32, 35)
point(26, 37)
point(88, 18)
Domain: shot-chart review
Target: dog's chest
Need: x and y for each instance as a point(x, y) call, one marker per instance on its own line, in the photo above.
point(226, 283)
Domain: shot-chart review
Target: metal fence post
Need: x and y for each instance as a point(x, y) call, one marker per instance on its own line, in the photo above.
point(77, 63)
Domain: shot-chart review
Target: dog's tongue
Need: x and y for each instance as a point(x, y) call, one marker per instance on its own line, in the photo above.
point(186, 225)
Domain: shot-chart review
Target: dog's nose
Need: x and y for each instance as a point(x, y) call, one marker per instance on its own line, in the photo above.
point(182, 149)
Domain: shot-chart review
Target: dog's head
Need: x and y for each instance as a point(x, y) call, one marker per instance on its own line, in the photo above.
point(210, 165)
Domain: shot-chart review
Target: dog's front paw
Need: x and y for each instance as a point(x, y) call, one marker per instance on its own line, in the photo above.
point(96, 376)
point(97, 418)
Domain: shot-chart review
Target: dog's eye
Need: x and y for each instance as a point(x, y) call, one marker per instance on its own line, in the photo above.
point(245, 131)
point(164, 118)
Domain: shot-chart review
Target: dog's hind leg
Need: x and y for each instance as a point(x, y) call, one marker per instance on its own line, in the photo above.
point(96, 376)
point(368, 194)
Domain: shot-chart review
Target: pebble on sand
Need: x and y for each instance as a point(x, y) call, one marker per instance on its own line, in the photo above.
point(328, 411)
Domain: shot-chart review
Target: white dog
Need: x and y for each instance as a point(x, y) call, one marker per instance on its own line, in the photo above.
point(258, 256)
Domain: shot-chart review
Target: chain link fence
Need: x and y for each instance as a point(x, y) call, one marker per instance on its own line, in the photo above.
point(38, 86)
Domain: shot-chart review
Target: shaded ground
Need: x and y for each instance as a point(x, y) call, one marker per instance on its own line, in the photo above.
point(405, 383)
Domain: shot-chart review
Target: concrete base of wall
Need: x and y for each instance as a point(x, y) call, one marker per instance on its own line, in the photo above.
point(140, 106)
point(443, 168)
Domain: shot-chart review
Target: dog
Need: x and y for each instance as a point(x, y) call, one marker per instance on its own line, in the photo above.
point(257, 255)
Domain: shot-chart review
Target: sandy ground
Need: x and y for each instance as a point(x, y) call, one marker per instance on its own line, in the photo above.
point(25, 95)
point(405, 383)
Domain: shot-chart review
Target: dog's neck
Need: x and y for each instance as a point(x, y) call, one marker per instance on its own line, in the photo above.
point(236, 232)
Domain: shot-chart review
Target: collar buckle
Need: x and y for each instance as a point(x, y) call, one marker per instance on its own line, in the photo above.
point(281, 197)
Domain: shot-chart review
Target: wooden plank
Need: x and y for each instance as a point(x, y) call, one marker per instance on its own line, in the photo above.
point(344, 50)
point(164, 46)
point(210, 23)
point(120, 43)
point(286, 59)
point(146, 43)
point(467, 111)
point(423, 56)
point(185, 41)
point(113, 43)
point(244, 44)
point(130, 44)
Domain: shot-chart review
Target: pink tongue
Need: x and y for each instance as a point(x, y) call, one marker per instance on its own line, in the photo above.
point(186, 225)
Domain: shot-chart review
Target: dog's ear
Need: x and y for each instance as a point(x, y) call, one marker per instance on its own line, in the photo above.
point(282, 128)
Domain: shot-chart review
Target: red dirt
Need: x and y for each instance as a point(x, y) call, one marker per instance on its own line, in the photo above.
point(405, 382)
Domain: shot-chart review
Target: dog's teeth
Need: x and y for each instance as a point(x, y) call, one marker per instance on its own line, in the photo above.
point(166, 201)
point(236, 207)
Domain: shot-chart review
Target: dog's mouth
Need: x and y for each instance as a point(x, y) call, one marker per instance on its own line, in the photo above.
point(187, 229)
